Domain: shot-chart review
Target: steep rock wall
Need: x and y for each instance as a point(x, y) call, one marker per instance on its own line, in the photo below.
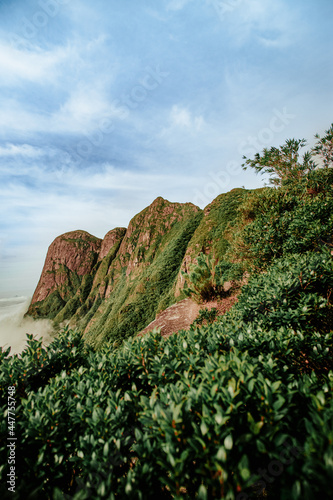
point(71, 262)
point(114, 287)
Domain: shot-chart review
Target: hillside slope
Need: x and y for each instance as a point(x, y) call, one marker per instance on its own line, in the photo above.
point(113, 288)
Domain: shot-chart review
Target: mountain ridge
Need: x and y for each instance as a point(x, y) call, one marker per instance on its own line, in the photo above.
point(115, 286)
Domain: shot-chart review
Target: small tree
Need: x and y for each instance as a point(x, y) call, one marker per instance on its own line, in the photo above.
point(206, 279)
point(285, 163)
point(324, 147)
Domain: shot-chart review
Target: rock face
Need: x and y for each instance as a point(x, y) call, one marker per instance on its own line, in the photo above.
point(71, 261)
point(110, 240)
point(100, 285)
point(181, 315)
point(115, 287)
point(71, 253)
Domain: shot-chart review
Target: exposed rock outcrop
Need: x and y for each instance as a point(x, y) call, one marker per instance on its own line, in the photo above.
point(70, 255)
point(181, 315)
point(100, 285)
point(110, 240)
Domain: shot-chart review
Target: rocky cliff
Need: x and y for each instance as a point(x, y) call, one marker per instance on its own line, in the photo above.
point(113, 288)
point(69, 262)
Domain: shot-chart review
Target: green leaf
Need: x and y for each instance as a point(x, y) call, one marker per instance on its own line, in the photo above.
point(171, 460)
point(228, 442)
point(106, 449)
point(297, 490)
point(214, 390)
point(221, 454)
point(260, 446)
point(202, 493)
point(243, 467)
point(101, 489)
point(204, 429)
point(278, 403)
point(251, 384)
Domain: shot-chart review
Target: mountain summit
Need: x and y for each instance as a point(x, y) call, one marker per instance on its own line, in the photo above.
point(115, 287)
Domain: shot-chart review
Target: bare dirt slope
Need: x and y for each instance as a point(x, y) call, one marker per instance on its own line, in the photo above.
point(181, 315)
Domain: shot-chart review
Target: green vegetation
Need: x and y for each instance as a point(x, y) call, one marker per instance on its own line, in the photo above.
point(207, 278)
point(202, 414)
point(238, 408)
point(205, 316)
point(64, 300)
point(284, 163)
point(134, 303)
point(209, 236)
point(293, 219)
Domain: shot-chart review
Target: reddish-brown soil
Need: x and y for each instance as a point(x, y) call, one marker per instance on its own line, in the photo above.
point(182, 314)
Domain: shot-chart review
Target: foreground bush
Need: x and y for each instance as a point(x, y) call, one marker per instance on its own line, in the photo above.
point(295, 292)
point(208, 413)
point(34, 367)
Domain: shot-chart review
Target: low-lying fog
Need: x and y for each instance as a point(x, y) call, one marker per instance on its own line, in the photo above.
point(14, 327)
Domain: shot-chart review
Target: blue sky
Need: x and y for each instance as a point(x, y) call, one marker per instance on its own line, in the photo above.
point(107, 104)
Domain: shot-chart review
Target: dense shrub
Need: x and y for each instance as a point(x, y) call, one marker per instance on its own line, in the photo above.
point(296, 215)
point(205, 316)
point(36, 364)
point(295, 292)
point(286, 224)
point(207, 278)
point(192, 416)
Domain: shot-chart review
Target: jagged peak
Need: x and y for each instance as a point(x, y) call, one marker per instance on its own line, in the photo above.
point(110, 239)
point(116, 231)
point(163, 201)
point(160, 199)
point(77, 234)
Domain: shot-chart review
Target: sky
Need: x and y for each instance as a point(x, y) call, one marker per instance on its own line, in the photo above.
point(107, 104)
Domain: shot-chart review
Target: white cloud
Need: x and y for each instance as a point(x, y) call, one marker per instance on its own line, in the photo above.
point(14, 150)
point(37, 65)
point(85, 109)
point(80, 90)
point(271, 24)
point(181, 118)
point(177, 4)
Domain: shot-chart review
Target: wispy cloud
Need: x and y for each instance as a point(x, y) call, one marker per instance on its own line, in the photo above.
point(177, 4)
point(181, 117)
point(162, 96)
point(25, 150)
point(38, 66)
point(271, 24)
point(181, 122)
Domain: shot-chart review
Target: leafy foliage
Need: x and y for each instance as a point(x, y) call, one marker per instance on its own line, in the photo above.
point(283, 163)
point(197, 415)
point(207, 278)
point(295, 292)
point(279, 222)
point(206, 316)
point(194, 415)
point(324, 147)
point(37, 364)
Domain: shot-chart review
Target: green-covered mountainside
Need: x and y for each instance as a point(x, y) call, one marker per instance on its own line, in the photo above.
point(113, 288)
